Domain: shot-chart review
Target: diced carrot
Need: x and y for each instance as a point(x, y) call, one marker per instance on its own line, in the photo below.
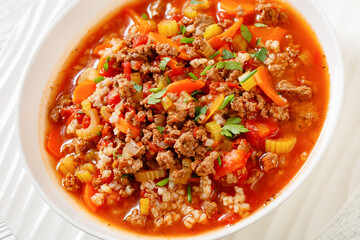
point(54, 141)
point(263, 79)
point(231, 162)
point(214, 107)
point(187, 85)
point(218, 41)
point(266, 33)
point(123, 126)
point(225, 46)
point(230, 7)
point(83, 90)
point(143, 25)
point(89, 191)
point(100, 47)
point(162, 39)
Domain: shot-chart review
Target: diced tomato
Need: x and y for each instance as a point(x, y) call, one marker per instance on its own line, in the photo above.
point(86, 121)
point(136, 64)
point(259, 131)
point(176, 71)
point(113, 98)
point(250, 65)
point(102, 143)
point(66, 112)
point(231, 162)
point(154, 147)
point(112, 69)
point(106, 130)
point(146, 87)
point(176, 16)
point(127, 70)
point(139, 40)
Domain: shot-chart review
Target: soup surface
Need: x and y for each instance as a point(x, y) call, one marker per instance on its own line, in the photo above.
point(178, 117)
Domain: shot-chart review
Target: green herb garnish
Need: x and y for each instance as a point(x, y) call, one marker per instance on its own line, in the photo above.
point(214, 55)
point(144, 16)
point(195, 2)
point(168, 80)
point(156, 97)
point(246, 33)
point(226, 54)
point(203, 73)
point(219, 160)
point(193, 76)
point(80, 112)
point(232, 127)
point(247, 77)
point(163, 182)
point(182, 29)
point(229, 65)
point(138, 88)
point(160, 128)
point(199, 111)
point(258, 41)
point(261, 55)
point(155, 90)
point(98, 79)
point(189, 194)
point(228, 99)
point(260, 25)
point(163, 63)
point(187, 40)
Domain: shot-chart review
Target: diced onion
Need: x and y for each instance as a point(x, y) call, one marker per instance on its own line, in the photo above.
point(146, 175)
point(281, 145)
point(131, 149)
point(209, 142)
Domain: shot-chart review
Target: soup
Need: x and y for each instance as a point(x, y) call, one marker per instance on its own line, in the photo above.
point(178, 118)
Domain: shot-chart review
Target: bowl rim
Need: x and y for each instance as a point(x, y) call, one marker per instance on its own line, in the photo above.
point(285, 193)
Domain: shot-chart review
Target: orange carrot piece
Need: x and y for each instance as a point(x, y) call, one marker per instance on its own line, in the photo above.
point(217, 41)
point(100, 47)
point(266, 33)
point(187, 85)
point(101, 63)
point(83, 90)
point(54, 142)
point(89, 191)
point(123, 126)
point(263, 79)
point(162, 39)
point(143, 25)
point(225, 46)
point(214, 107)
point(230, 7)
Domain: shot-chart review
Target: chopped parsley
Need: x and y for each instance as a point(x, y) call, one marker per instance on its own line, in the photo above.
point(203, 73)
point(199, 111)
point(116, 155)
point(98, 79)
point(189, 193)
point(168, 80)
point(193, 76)
point(154, 90)
point(106, 64)
point(246, 33)
point(261, 55)
point(144, 16)
point(156, 97)
point(182, 29)
point(258, 41)
point(229, 65)
point(196, 92)
point(214, 55)
point(232, 127)
point(244, 77)
point(80, 112)
point(195, 2)
point(163, 182)
point(138, 88)
point(163, 63)
point(187, 40)
point(99, 133)
point(160, 128)
point(226, 54)
point(228, 99)
point(125, 175)
point(260, 25)
point(219, 160)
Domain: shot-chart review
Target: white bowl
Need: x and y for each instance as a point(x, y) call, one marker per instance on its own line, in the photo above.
point(57, 44)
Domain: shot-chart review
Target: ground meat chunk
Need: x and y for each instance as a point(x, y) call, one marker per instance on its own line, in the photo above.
point(70, 182)
point(289, 89)
point(226, 23)
point(306, 115)
point(201, 22)
point(126, 90)
point(200, 44)
point(186, 145)
point(270, 13)
point(127, 165)
point(230, 178)
point(181, 112)
point(156, 8)
point(64, 101)
point(141, 52)
point(206, 167)
point(190, 51)
point(147, 68)
point(269, 161)
point(213, 74)
point(209, 207)
point(136, 219)
point(166, 159)
point(178, 175)
point(77, 144)
point(279, 113)
point(166, 50)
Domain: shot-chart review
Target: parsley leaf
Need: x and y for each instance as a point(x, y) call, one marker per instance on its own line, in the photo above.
point(195, 2)
point(163, 182)
point(203, 73)
point(80, 112)
point(144, 16)
point(106, 66)
point(156, 97)
point(154, 90)
point(226, 54)
point(214, 55)
point(261, 55)
point(163, 63)
point(182, 29)
point(219, 160)
point(199, 111)
point(196, 92)
point(161, 129)
point(232, 127)
point(260, 25)
point(246, 33)
point(137, 87)
point(243, 78)
point(193, 76)
point(168, 80)
point(187, 40)
point(229, 65)
point(98, 79)
point(189, 188)
point(228, 99)
point(258, 41)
